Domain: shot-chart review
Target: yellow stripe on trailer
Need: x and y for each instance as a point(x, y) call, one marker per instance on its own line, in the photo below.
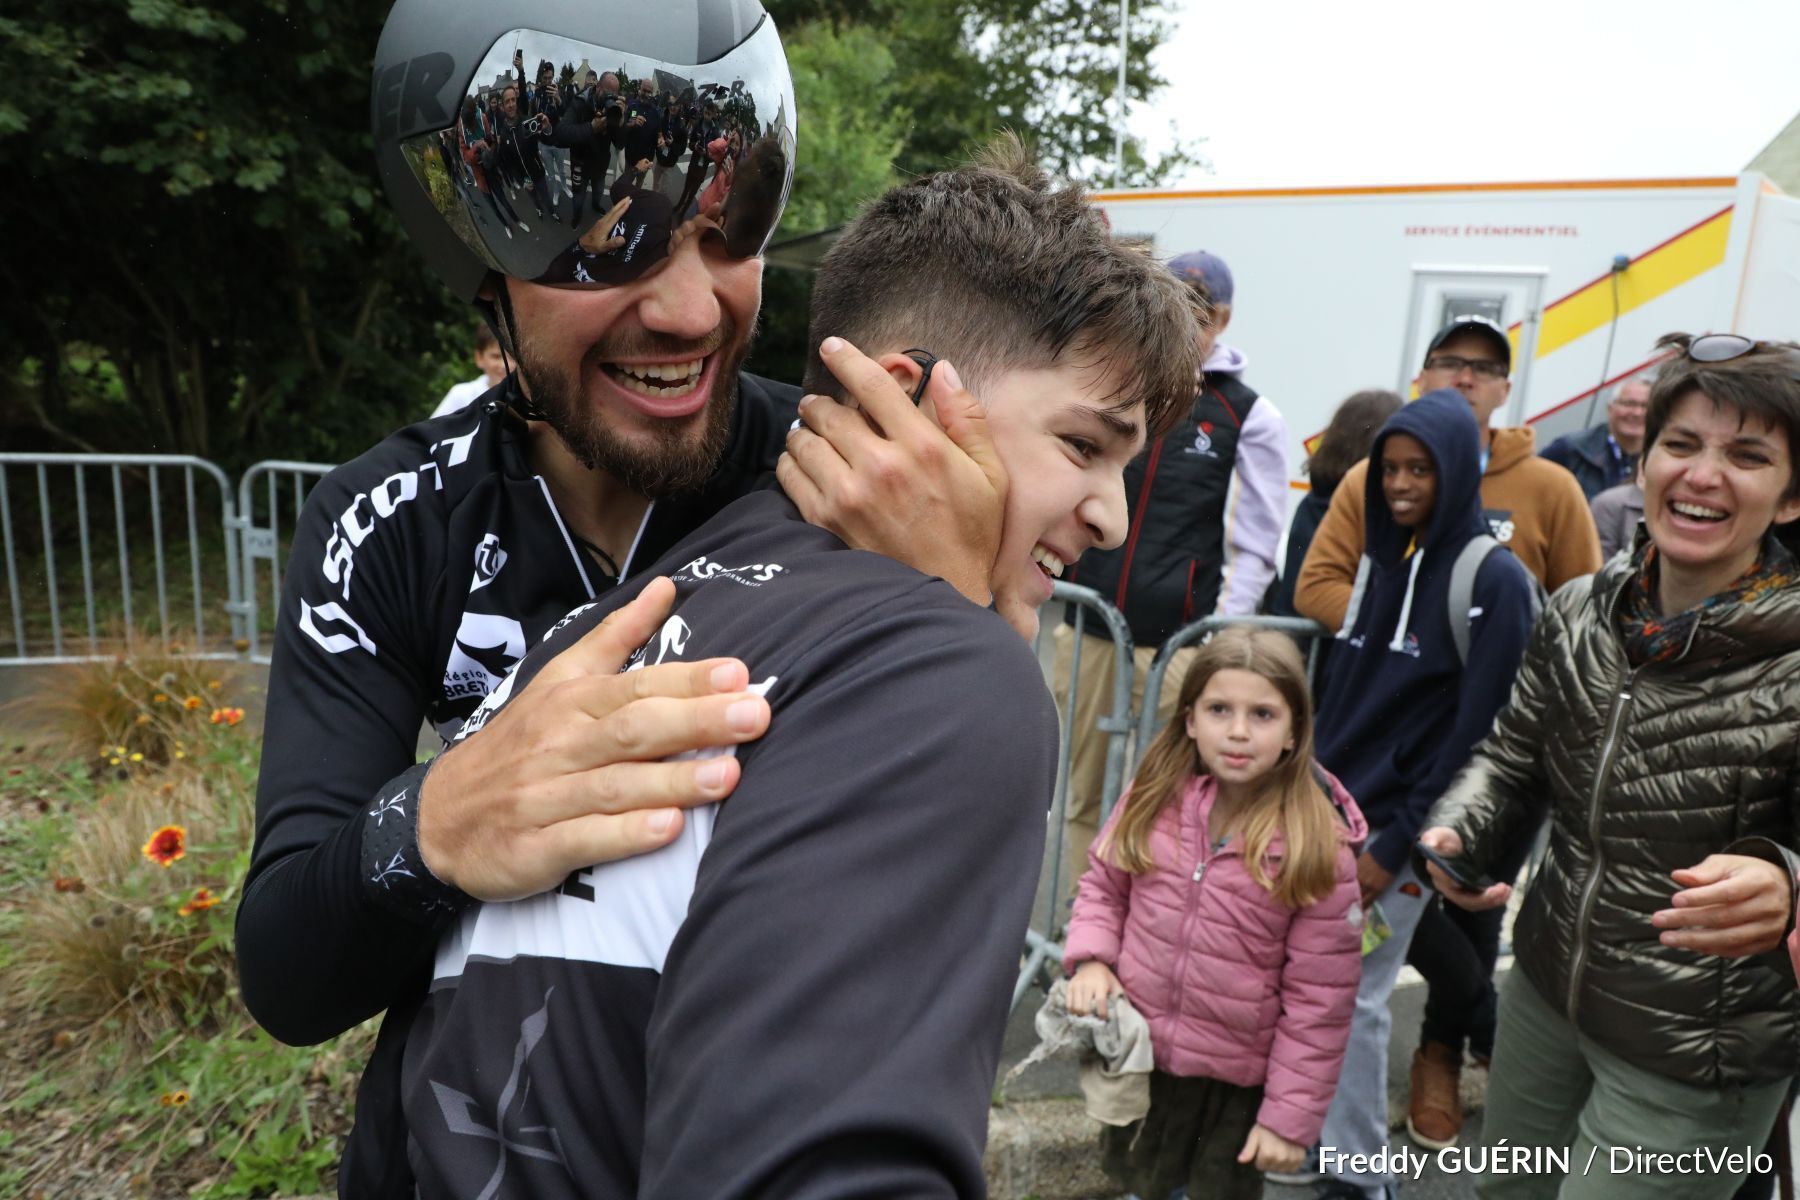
point(1656, 272)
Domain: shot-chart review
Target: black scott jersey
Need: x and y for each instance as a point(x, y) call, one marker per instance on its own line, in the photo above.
point(803, 995)
point(419, 575)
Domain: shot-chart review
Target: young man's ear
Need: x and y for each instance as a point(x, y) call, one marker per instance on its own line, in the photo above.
point(902, 369)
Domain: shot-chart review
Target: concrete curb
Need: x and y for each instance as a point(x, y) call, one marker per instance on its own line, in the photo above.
point(1044, 1150)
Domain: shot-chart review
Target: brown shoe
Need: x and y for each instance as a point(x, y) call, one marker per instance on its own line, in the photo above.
point(1434, 1112)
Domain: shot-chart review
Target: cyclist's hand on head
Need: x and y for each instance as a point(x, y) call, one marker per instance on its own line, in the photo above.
point(570, 771)
point(887, 479)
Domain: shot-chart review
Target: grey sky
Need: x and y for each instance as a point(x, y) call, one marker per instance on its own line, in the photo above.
point(1293, 92)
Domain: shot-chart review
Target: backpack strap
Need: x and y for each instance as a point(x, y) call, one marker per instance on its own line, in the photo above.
point(1462, 589)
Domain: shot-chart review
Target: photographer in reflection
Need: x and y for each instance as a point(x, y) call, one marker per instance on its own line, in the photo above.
point(592, 126)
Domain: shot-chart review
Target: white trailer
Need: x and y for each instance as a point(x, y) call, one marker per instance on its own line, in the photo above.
point(1341, 288)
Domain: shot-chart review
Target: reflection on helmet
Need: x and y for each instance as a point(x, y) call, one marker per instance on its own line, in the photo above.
point(588, 171)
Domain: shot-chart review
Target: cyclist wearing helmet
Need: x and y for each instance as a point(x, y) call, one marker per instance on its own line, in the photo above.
point(804, 994)
point(422, 570)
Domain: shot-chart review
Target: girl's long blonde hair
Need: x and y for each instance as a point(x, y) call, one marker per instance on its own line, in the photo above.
point(1289, 801)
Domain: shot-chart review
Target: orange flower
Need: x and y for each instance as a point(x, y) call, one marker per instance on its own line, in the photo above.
point(172, 1099)
point(203, 899)
point(212, 685)
point(68, 883)
point(227, 716)
point(166, 845)
point(160, 698)
point(143, 719)
point(191, 703)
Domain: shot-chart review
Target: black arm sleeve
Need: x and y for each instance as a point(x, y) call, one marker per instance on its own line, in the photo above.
point(830, 1016)
point(320, 945)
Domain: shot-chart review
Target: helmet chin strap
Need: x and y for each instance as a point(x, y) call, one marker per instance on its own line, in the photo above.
point(500, 319)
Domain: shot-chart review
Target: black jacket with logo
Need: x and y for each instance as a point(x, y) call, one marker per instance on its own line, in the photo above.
point(1167, 573)
point(420, 573)
point(804, 994)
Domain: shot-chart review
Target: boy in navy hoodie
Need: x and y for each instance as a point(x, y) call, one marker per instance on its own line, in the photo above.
point(1400, 712)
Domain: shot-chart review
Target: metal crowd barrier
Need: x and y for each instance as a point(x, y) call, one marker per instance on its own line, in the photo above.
point(61, 498)
point(263, 542)
point(59, 518)
point(1041, 945)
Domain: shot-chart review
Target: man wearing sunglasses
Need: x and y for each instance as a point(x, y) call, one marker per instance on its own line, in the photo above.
point(421, 571)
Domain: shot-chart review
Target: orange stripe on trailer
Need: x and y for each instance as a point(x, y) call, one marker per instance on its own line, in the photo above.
point(1419, 189)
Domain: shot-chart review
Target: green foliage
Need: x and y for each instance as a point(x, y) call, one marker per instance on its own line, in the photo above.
point(889, 89)
point(278, 1161)
point(195, 209)
point(125, 1029)
point(855, 123)
point(1045, 68)
point(198, 259)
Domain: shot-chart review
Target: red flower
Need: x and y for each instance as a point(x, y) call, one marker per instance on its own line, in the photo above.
point(227, 716)
point(166, 845)
point(68, 883)
point(203, 898)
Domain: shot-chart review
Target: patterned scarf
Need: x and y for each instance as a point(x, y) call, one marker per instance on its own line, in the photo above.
point(1651, 637)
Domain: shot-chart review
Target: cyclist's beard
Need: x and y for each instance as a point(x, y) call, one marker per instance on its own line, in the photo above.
point(670, 456)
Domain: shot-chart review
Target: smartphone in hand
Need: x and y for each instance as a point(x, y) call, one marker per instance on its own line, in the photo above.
point(1460, 872)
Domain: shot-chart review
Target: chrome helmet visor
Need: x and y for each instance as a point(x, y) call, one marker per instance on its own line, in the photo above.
point(573, 165)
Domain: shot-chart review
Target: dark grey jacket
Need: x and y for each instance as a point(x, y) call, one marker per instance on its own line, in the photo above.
point(1642, 771)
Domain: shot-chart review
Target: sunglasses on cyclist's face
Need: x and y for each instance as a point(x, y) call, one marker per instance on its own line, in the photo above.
point(527, 208)
point(1453, 364)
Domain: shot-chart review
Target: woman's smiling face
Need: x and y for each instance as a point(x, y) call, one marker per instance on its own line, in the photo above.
point(1714, 482)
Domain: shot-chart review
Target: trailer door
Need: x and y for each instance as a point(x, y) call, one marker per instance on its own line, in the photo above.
point(1511, 297)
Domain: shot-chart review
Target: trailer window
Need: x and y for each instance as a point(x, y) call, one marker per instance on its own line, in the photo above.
point(1491, 305)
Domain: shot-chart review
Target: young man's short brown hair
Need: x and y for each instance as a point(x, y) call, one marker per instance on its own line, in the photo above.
point(994, 269)
point(1765, 382)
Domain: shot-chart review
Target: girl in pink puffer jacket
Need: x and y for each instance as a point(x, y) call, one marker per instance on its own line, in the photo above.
point(1221, 898)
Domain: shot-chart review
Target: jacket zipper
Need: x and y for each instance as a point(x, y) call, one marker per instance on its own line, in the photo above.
point(1187, 922)
point(1137, 523)
point(1187, 604)
point(1590, 891)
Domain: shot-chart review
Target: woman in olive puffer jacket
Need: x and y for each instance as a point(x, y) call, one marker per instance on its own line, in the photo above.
point(1656, 721)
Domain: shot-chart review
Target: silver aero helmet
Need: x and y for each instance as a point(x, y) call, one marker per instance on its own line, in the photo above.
point(576, 143)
